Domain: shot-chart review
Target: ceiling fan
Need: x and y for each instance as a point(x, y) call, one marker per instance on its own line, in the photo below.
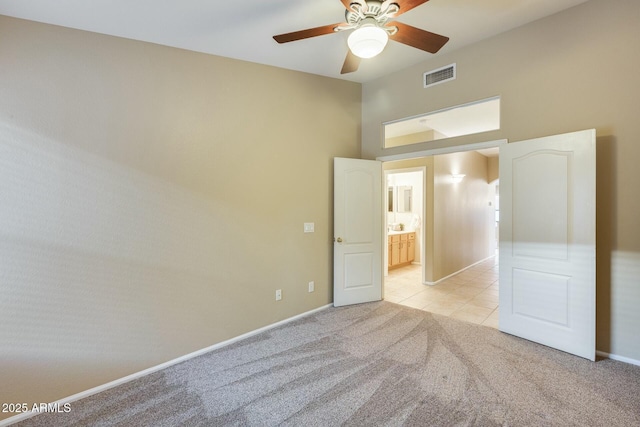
point(369, 20)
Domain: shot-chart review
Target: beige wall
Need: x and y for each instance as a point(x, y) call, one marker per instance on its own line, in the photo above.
point(409, 139)
point(462, 218)
point(153, 201)
point(494, 167)
point(571, 71)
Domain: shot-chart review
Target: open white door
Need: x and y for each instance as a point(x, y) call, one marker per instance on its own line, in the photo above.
point(357, 247)
point(547, 241)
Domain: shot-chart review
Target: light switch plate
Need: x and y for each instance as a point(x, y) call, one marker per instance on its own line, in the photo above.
point(309, 227)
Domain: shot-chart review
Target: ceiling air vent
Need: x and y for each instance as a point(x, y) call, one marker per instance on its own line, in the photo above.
point(440, 75)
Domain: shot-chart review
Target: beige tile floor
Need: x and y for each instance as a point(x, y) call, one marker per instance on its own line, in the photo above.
point(471, 295)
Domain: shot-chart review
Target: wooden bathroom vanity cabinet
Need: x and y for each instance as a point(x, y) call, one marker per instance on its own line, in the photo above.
point(402, 248)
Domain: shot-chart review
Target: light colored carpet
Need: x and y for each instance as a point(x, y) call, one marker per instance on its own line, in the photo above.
point(376, 364)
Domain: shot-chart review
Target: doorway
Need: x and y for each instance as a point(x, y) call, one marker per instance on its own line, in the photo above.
point(405, 208)
point(462, 252)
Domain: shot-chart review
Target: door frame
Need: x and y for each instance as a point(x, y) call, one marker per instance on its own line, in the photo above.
point(423, 230)
point(443, 150)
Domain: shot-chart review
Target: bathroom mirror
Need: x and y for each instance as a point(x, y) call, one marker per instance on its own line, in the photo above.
point(405, 197)
point(400, 198)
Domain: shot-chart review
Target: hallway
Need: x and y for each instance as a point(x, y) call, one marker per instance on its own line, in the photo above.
point(471, 295)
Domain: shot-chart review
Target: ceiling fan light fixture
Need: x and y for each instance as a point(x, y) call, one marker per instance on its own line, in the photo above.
point(367, 41)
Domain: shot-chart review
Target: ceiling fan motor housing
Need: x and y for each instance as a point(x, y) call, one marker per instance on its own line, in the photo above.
point(380, 12)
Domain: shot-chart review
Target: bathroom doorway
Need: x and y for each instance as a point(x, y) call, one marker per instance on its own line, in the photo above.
point(405, 209)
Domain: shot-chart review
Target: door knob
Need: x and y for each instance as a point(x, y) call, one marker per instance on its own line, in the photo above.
point(339, 240)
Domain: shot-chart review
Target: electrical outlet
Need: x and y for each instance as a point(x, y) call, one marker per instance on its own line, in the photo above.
point(312, 286)
point(278, 294)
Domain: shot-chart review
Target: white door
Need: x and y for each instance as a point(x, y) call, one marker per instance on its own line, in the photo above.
point(547, 241)
point(357, 247)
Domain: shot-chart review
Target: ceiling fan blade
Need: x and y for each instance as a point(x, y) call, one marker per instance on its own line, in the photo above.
point(305, 34)
point(351, 63)
point(347, 3)
point(415, 37)
point(407, 5)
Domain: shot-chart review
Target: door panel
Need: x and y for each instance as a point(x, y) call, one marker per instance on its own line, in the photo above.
point(359, 195)
point(358, 270)
point(358, 231)
point(541, 296)
point(547, 241)
point(545, 224)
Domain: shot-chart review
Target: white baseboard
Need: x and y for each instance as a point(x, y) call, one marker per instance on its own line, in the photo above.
point(618, 358)
point(60, 403)
point(457, 272)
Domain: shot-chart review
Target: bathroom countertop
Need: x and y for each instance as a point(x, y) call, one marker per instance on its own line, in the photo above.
point(391, 232)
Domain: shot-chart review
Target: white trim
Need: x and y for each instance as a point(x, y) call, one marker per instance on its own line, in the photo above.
point(443, 150)
point(457, 272)
point(135, 376)
point(618, 358)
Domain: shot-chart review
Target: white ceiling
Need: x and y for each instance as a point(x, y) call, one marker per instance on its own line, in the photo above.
point(244, 29)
